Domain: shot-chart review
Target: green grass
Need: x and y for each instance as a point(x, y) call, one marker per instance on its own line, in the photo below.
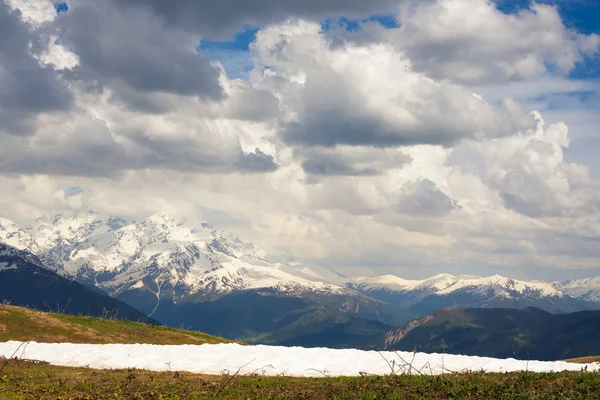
point(21, 324)
point(26, 380)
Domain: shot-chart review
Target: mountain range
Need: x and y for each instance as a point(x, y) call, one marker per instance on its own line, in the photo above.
point(187, 273)
point(423, 297)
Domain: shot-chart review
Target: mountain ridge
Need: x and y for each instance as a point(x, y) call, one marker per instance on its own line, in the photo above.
point(445, 290)
point(89, 242)
point(187, 272)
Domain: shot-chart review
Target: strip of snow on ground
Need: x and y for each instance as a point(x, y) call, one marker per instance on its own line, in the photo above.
point(270, 360)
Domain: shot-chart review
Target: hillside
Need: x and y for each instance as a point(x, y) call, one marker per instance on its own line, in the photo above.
point(24, 281)
point(523, 334)
point(267, 317)
point(22, 324)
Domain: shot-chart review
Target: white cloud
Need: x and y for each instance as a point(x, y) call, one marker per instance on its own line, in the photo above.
point(471, 41)
point(366, 155)
point(532, 177)
point(367, 94)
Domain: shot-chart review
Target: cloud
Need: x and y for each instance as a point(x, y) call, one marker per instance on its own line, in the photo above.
point(112, 140)
point(226, 17)
point(136, 96)
point(72, 144)
point(367, 95)
point(350, 161)
point(366, 151)
point(26, 87)
point(471, 41)
point(423, 197)
point(132, 52)
point(257, 162)
point(532, 177)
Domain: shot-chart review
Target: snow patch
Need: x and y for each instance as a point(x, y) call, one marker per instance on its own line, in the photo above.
point(273, 360)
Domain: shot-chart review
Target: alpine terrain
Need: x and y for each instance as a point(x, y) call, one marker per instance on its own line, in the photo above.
point(187, 273)
point(25, 282)
point(191, 275)
point(423, 297)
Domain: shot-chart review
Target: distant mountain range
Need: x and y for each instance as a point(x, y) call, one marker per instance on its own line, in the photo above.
point(25, 282)
point(524, 334)
point(422, 297)
point(187, 273)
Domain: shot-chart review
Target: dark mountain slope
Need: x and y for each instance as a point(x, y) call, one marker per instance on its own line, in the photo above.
point(25, 282)
point(268, 317)
point(495, 332)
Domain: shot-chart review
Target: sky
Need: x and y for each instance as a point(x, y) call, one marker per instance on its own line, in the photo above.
point(389, 136)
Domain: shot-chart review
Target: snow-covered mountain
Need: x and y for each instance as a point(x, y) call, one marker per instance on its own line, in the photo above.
point(17, 237)
point(187, 272)
point(585, 289)
point(176, 258)
point(159, 254)
point(445, 284)
point(47, 234)
point(444, 290)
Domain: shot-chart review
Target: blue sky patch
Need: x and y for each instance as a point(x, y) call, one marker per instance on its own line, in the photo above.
point(234, 55)
point(74, 190)
point(61, 7)
point(354, 25)
point(582, 15)
point(240, 42)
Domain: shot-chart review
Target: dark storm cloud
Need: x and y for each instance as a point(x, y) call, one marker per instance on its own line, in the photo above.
point(346, 161)
point(26, 87)
point(225, 17)
point(425, 198)
point(131, 50)
point(86, 147)
point(197, 153)
point(334, 167)
point(256, 162)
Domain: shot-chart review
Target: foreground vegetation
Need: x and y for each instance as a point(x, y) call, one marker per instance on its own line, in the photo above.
point(21, 379)
point(22, 324)
point(28, 380)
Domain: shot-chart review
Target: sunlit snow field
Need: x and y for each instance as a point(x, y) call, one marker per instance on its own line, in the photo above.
point(268, 360)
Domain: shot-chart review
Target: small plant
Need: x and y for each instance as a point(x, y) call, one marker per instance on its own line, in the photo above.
point(232, 377)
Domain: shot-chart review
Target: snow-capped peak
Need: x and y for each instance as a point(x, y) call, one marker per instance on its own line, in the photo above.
point(61, 229)
point(15, 236)
point(585, 289)
point(445, 284)
point(189, 257)
point(193, 257)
